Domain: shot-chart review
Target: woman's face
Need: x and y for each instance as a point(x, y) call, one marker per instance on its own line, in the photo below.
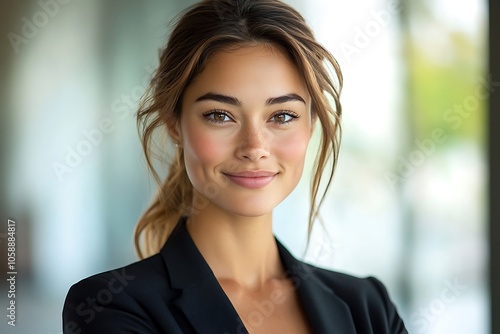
point(245, 127)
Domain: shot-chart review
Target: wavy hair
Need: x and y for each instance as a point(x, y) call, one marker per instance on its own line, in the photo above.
point(203, 29)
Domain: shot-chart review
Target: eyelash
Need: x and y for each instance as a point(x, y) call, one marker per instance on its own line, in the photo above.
point(290, 113)
point(208, 116)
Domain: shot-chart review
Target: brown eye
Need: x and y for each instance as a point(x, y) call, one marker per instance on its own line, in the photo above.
point(280, 118)
point(219, 117)
point(283, 118)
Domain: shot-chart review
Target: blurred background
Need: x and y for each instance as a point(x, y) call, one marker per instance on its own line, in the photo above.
point(409, 199)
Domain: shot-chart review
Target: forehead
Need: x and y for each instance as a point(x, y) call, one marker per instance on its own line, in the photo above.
point(264, 70)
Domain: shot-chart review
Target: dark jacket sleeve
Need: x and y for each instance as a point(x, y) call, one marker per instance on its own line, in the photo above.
point(393, 321)
point(98, 305)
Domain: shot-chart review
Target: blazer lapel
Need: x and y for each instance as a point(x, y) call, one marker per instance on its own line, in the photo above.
point(325, 311)
point(209, 310)
point(202, 300)
point(206, 306)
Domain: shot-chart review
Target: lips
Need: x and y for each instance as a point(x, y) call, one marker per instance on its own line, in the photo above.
point(251, 179)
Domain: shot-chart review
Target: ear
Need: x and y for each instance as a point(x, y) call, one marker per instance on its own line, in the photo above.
point(314, 117)
point(174, 132)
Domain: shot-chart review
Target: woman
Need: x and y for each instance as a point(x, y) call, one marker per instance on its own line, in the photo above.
point(240, 87)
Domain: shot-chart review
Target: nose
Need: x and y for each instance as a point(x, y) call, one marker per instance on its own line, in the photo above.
point(253, 144)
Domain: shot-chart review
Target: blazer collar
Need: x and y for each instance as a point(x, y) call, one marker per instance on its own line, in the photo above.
point(205, 304)
point(202, 300)
point(325, 311)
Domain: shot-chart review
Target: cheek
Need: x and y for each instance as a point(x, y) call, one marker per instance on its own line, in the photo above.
point(202, 147)
point(292, 149)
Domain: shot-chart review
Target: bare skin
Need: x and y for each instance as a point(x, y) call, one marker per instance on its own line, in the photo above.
point(232, 223)
point(251, 275)
point(273, 308)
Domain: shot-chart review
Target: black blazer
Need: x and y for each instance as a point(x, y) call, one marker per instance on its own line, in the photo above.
point(175, 291)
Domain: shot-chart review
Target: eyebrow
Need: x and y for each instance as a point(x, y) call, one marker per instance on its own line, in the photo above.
point(235, 102)
point(285, 98)
point(220, 98)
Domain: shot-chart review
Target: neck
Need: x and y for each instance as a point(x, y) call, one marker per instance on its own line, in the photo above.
point(237, 249)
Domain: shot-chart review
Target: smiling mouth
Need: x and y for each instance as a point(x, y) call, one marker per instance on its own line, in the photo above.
point(251, 179)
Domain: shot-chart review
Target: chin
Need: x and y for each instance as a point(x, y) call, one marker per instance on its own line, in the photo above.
point(249, 208)
point(246, 204)
point(250, 211)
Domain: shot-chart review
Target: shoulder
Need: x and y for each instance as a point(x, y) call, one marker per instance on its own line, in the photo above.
point(351, 287)
point(122, 297)
point(367, 298)
point(133, 280)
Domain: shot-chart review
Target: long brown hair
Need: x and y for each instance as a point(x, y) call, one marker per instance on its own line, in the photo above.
point(208, 27)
